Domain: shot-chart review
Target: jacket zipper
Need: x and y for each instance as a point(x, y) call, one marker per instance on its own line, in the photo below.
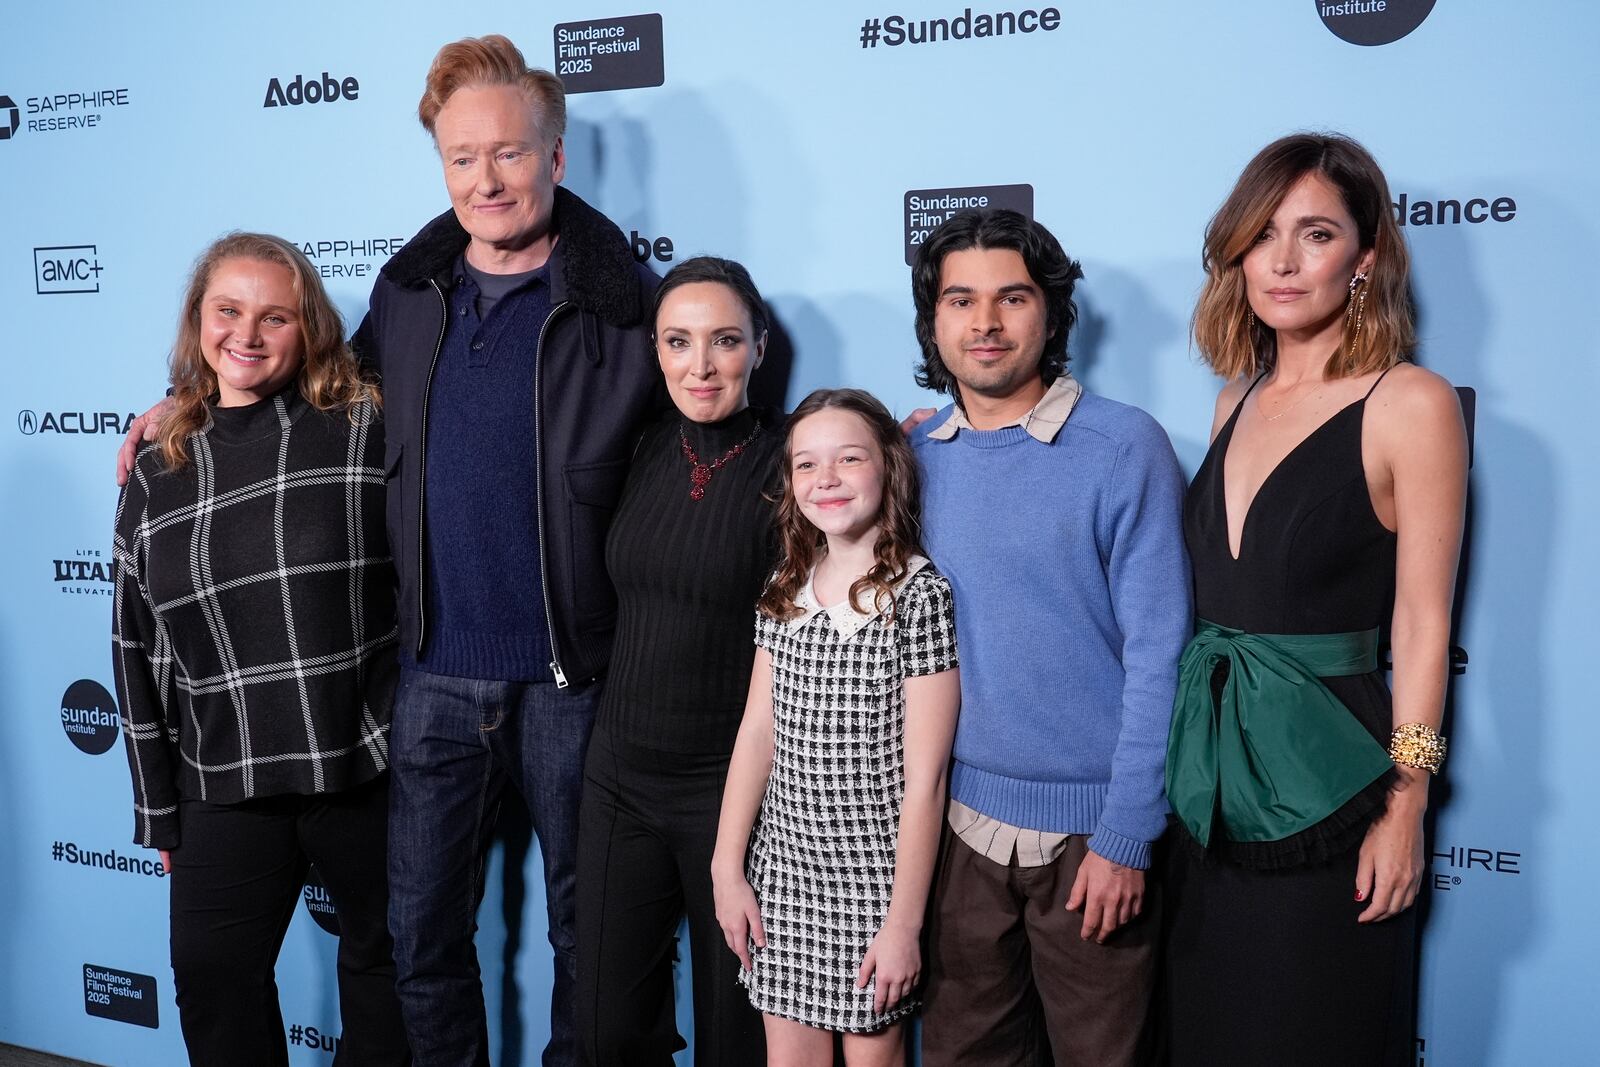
point(422, 484)
point(538, 491)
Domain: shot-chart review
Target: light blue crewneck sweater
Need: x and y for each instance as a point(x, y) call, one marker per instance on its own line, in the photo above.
point(1073, 603)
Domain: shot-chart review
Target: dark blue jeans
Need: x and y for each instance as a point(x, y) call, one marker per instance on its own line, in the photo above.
point(454, 745)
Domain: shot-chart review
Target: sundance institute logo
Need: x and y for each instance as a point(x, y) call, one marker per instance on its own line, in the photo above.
point(89, 716)
point(319, 905)
point(1372, 22)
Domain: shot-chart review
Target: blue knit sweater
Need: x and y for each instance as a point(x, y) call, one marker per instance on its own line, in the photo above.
point(484, 585)
point(1072, 605)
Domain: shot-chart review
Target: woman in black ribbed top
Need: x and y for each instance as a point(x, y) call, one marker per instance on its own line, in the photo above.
point(689, 550)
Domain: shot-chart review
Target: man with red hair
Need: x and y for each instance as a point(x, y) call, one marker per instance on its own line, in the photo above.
point(516, 363)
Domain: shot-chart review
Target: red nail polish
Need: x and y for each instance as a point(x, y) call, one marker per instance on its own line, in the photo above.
point(1360, 895)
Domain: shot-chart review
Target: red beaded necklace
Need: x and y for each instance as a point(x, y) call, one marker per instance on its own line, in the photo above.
point(700, 473)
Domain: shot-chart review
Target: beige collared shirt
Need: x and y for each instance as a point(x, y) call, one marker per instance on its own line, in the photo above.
point(1043, 421)
point(984, 834)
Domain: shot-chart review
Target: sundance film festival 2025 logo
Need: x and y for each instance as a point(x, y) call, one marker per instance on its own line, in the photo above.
point(302, 89)
point(45, 423)
point(57, 112)
point(89, 572)
point(66, 269)
point(598, 55)
point(1372, 22)
point(122, 996)
point(89, 716)
point(928, 209)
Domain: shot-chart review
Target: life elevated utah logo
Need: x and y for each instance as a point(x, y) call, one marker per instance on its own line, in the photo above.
point(88, 573)
point(66, 269)
point(1372, 22)
point(312, 90)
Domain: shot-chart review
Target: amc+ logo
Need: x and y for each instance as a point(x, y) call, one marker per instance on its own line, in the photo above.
point(66, 269)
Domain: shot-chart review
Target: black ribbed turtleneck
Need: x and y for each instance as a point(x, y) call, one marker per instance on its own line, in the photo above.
point(687, 574)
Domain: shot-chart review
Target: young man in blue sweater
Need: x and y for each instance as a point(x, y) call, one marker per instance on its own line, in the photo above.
point(1056, 515)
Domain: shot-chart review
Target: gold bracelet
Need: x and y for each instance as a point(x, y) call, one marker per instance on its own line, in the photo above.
point(1416, 744)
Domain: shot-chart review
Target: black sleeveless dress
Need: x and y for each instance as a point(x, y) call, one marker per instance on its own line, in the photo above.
point(1265, 961)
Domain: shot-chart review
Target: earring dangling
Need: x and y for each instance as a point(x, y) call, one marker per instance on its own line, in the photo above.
point(1355, 310)
point(1361, 310)
point(1250, 320)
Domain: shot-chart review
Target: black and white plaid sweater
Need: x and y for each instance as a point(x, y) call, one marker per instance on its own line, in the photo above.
point(254, 623)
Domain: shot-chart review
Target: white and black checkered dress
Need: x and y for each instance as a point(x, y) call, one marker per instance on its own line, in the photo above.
point(822, 859)
point(254, 626)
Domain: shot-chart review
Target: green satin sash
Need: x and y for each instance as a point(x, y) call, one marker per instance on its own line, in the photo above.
point(1277, 752)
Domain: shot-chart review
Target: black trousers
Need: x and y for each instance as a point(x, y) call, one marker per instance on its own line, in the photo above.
point(236, 881)
point(646, 831)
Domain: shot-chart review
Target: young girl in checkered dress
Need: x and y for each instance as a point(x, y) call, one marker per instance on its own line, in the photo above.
point(843, 747)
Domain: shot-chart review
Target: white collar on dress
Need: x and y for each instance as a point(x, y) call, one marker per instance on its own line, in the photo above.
point(846, 619)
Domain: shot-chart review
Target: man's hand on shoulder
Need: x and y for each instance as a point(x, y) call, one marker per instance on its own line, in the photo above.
point(918, 416)
point(1109, 895)
point(143, 429)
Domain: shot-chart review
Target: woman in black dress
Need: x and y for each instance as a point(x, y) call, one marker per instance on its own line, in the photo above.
point(689, 550)
point(1330, 507)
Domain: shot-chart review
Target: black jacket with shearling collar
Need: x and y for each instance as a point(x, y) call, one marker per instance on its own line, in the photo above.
point(595, 385)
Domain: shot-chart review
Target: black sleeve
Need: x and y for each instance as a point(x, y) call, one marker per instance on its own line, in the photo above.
point(142, 661)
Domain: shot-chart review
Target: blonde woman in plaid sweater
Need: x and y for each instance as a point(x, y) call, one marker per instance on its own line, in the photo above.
point(253, 641)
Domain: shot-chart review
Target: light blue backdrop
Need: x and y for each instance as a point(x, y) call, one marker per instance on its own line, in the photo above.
point(779, 138)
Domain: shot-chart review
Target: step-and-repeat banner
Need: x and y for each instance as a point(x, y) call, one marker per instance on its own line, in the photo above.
point(818, 143)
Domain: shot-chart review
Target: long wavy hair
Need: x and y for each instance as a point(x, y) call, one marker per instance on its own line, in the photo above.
point(1231, 340)
point(329, 378)
point(801, 545)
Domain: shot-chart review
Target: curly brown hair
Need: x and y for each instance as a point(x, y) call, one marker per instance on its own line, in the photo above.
point(801, 545)
point(329, 377)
